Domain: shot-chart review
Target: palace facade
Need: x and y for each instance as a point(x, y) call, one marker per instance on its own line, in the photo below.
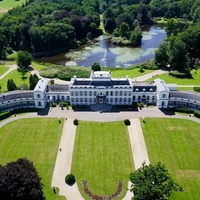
point(101, 88)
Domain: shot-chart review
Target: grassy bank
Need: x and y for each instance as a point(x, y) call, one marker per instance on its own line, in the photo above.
point(102, 156)
point(177, 147)
point(37, 140)
point(9, 4)
point(195, 80)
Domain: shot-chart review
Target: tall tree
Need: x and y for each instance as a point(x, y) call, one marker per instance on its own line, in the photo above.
point(161, 55)
point(19, 180)
point(11, 85)
point(178, 59)
point(152, 182)
point(33, 79)
point(23, 59)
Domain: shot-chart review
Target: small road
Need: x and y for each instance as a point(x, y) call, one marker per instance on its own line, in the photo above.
point(11, 68)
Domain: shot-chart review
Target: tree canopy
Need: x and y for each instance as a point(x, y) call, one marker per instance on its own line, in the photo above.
point(152, 182)
point(19, 180)
point(96, 67)
point(24, 59)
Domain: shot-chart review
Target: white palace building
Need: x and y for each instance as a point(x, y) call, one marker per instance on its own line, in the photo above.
point(101, 88)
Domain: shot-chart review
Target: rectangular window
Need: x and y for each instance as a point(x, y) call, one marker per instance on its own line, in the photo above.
point(116, 93)
point(111, 93)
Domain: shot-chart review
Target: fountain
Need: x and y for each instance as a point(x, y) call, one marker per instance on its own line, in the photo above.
point(105, 58)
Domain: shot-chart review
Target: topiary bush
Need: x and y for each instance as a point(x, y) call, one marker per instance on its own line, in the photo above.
point(53, 104)
point(127, 122)
point(70, 179)
point(76, 122)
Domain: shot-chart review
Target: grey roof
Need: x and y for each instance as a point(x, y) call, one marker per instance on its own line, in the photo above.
point(59, 88)
point(184, 95)
point(145, 88)
point(17, 94)
point(96, 83)
point(161, 86)
point(41, 85)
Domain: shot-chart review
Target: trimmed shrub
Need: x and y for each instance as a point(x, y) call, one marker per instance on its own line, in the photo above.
point(197, 113)
point(196, 89)
point(183, 74)
point(75, 122)
point(70, 179)
point(5, 115)
point(127, 122)
point(53, 104)
point(64, 104)
point(183, 110)
point(139, 104)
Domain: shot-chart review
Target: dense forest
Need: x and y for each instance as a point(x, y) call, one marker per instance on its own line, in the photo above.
point(41, 26)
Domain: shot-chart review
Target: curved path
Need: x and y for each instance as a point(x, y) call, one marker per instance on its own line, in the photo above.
point(11, 68)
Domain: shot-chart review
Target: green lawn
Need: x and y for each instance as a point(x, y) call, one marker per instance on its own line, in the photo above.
point(39, 66)
point(102, 156)
point(9, 4)
point(17, 77)
point(132, 73)
point(176, 142)
point(35, 139)
point(3, 69)
point(185, 88)
point(195, 80)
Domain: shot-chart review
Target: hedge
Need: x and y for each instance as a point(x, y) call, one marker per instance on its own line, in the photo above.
point(64, 104)
point(197, 113)
point(178, 74)
point(196, 89)
point(183, 110)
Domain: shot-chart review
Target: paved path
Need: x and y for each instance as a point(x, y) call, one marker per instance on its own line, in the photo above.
point(63, 163)
point(150, 75)
point(11, 68)
point(138, 148)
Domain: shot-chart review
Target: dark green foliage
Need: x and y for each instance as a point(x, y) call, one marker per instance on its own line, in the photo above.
point(196, 89)
point(180, 74)
point(182, 110)
point(161, 55)
point(141, 70)
point(75, 122)
point(64, 104)
point(20, 180)
point(197, 113)
point(70, 179)
point(53, 104)
point(11, 85)
point(127, 122)
point(23, 59)
point(33, 79)
point(152, 182)
point(5, 115)
point(96, 67)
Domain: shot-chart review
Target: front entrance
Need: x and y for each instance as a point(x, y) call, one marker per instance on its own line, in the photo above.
point(101, 100)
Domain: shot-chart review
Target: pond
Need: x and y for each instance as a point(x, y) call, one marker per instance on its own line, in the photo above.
point(104, 52)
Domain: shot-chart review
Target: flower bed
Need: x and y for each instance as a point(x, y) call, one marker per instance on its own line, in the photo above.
point(97, 197)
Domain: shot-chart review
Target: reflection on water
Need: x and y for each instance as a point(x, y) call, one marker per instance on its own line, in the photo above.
point(109, 55)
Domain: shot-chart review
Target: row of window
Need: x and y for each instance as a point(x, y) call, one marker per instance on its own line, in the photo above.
point(107, 93)
point(144, 98)
point(90, 100)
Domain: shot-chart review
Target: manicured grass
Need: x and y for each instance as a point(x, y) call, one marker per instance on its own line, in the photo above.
point(3, 69)
point(9, 4)
point(175, 143)
point(195, 80)
point(39, 66)
point(132, 73)
point(185, 88)
point(35, 139)
point(17, 77)
point(102, 156)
